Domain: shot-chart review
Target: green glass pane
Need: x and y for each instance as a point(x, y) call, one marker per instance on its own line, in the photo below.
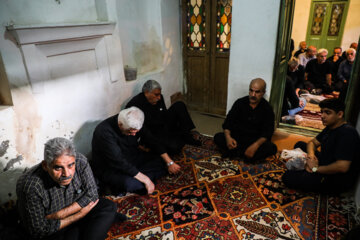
point(221, 28)
point(191, 10)
point(221, 10)
point(191, 28)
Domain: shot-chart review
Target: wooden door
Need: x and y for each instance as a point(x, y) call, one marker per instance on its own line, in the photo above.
point(326, 23)
point(283, 48)
point(206, 26)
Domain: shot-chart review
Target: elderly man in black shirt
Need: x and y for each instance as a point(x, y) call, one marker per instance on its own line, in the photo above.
point(318, 73)
point(169, 128)
point(58, 198)
point(249, 125)
point(118, 160)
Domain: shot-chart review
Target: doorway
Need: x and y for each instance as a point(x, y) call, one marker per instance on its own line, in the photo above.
point(277, 91)
point(206, 35)
point(326, 23)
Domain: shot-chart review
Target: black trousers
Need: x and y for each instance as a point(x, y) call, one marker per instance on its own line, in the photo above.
point(94, 226)
point(265, 150)
point(149, 164)
point(176, 132)
point(314, 182)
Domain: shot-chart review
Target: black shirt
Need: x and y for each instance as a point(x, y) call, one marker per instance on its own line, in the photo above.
point(297, 77)
point(317, 72)
point(341, 143)
point(334, 66)
point(290, 97)
point(112, 150)
point(247, 124)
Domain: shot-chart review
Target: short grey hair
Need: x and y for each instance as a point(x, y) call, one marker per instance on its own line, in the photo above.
point(131, 117)
point(56, 147)
point(150, 85)
point(351, 50)
point(321, 50)
point(293, 62)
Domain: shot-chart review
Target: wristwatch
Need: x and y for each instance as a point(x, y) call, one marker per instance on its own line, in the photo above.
point(314, 169)
point(170, 163)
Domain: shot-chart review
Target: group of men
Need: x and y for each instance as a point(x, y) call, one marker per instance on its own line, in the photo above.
point(311, 70)
point(58, 199)
point(319, 74)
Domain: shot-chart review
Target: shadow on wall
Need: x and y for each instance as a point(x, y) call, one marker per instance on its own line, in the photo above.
point(83, 137)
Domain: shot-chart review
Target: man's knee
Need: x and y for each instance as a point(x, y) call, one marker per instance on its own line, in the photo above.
point(219, 139)
point(179, 106)
point(302, 145)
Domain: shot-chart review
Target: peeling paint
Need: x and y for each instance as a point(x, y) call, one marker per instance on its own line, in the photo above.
point(3, 147)
point(12, 162)
point(27, 123)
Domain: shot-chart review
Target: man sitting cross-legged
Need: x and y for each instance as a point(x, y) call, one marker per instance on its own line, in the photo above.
point(248, 126)
point(336, 167)
point(58, 198)
point(118, 161)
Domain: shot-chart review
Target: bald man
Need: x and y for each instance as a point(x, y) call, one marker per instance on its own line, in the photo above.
point(308, 55)
point(248, 127)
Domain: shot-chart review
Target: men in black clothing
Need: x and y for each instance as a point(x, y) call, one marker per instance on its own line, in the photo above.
point(318, 73)
point(296, 72)
point(335, 61)
point(170, 128)
point(118, 162)
point(249, 125)
point(336, 167)
point(353, 45)
point(291, 102)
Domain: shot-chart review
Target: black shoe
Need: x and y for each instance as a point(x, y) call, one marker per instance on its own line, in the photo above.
point(120, 217)
point(190, 140)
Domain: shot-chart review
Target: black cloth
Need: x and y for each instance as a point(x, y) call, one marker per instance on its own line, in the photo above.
point(297, 77)
point(290, 99)
point(334, 67)
point(341, 143)
point(317, 74)
point(298, 52)
point(247, 125)
point(93, 226)
point(116, 158)
point(39, 195)
point(169, 128)
point(291, 48)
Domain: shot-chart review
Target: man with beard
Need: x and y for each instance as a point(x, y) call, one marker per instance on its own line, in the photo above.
point(248, 127)
point(345, 72)
point(318, 73)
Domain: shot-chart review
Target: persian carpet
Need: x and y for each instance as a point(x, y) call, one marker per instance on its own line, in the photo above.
point(216, 198)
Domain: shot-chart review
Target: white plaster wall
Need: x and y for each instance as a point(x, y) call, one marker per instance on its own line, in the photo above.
point(253, 40)
point(77, 96)
point(352, 25)
point(300, 21)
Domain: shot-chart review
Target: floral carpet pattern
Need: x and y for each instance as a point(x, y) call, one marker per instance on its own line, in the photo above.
point(216, 198)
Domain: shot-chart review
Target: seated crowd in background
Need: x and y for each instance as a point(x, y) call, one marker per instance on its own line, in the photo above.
point(311, 72)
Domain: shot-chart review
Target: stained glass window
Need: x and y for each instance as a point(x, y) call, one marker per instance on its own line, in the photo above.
point(223, 25)
point(318, 19)
point(335, 21)
point(196, 24)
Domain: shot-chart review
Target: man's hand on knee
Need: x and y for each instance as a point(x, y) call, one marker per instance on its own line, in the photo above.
point(231, 143)
point(251, 150)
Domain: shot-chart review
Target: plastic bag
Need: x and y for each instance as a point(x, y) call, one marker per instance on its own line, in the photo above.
point(295, 159)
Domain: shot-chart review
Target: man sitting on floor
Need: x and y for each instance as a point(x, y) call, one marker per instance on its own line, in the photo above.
point(344, 72)
point(118, 162)
point(169, 128)
point(249, 125)
point(308, 55)
point(336, 167)
point(318, 73)
point(58, 198)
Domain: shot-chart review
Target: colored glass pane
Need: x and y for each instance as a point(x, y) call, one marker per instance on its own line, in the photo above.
point(223, 25)
point(318, 19)
point(336, 17)
point(196, 24)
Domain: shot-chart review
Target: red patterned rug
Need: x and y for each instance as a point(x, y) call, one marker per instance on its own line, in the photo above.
point(215, 198)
